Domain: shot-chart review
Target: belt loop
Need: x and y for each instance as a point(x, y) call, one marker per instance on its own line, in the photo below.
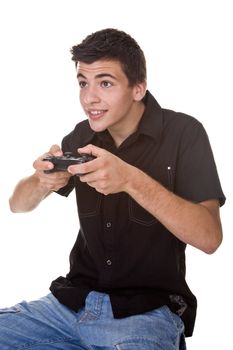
point(94, 302)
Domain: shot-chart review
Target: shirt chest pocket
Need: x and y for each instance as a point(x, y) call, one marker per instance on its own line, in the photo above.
point(137, 213)
point(88, 201)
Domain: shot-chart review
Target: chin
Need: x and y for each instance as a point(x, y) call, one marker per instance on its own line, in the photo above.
point(97, 128)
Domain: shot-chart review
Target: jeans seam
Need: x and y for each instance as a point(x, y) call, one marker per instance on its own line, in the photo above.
point(136, 339)
point(83, 340)
point(171, 317)
point(87, 316)
point(98, 305)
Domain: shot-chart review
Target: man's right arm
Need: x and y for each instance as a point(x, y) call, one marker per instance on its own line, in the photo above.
point(27, 195)
point(31, 190)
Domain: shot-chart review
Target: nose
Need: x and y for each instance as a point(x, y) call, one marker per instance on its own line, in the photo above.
point(89, 95)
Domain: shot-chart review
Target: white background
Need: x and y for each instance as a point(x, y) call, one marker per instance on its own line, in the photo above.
point(188, 45)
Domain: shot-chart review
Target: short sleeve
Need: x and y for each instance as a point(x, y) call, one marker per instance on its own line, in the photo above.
point(66, 190)
point(196, 175)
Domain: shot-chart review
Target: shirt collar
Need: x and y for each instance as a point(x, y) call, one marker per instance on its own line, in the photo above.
point(152, 121)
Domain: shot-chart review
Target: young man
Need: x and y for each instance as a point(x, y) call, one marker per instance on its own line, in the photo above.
point(151, 189)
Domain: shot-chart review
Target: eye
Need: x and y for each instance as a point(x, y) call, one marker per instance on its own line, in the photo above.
point(106, 84)
point(82, 84)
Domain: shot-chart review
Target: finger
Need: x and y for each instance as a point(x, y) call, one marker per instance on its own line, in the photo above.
point(55, 150)
point(92, 150)
point(53, 183)
point(55, 177)
point(94, 184)
point(84, 168)
point(39, 164)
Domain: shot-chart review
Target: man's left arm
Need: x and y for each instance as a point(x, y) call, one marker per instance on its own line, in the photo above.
point(196, 224)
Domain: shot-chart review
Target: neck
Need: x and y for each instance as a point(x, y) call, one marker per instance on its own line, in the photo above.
point(129, 127)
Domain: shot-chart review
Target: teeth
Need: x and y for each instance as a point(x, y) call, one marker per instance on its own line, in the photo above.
point(95, 112)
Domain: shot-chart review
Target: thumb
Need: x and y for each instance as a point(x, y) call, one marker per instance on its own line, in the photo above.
point(55, 150)
point(92, 150)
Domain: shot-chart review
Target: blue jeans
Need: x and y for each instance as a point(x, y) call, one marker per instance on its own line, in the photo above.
point(46, 324)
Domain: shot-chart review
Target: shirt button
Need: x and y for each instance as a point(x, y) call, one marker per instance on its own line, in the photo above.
point(109, 224)
point(109, 262)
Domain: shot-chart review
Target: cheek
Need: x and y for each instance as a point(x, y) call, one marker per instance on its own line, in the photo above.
point(81, 97)
point(119, 101)
point(82, 101)
point(124, 104)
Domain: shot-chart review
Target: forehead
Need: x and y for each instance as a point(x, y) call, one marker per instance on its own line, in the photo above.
point(100, 67)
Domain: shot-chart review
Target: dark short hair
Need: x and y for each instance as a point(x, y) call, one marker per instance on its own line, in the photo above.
point(113, 44)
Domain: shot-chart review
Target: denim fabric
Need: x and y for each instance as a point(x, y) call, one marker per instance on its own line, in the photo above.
point(45, 324)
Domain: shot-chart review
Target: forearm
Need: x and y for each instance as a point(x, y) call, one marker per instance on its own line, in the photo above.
point(194, 224)
point(28, 193)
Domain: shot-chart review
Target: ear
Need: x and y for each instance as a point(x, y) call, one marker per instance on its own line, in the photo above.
point(140, 90)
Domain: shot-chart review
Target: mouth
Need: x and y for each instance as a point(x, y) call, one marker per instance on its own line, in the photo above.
point(96, 114)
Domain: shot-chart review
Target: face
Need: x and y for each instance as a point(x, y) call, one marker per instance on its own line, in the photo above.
point(106, 97)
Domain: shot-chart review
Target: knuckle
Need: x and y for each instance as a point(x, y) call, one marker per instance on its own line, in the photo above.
point(104, 175)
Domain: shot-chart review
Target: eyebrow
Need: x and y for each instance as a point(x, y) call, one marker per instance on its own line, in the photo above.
point(98, 76)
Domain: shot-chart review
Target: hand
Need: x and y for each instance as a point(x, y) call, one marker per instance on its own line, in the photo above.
point(107, 173)
point(53, 181)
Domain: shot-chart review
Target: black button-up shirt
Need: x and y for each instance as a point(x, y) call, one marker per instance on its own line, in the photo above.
point(123, 250)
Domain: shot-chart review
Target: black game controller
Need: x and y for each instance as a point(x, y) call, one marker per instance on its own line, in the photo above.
point(61, 163)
